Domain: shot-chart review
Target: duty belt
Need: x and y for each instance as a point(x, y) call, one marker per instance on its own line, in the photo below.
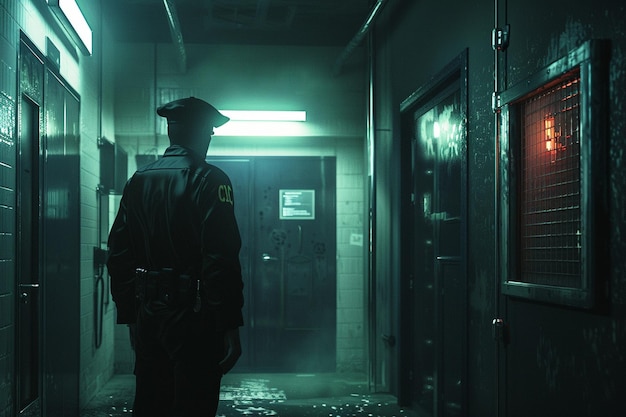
point(168, 287)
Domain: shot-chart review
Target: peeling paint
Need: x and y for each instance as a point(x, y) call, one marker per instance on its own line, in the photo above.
point(606, 356)
point(574, 35)
point(549, 360)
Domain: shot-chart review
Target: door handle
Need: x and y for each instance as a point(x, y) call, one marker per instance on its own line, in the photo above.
point(266, 257)
point(25, 288)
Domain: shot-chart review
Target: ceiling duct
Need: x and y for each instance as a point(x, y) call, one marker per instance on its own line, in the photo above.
point(176, 32)
point(356, 40)
point(262, 15)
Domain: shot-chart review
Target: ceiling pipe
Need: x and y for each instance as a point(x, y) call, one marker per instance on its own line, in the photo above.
point(356, 40)
point(176, 33)
point(262, 8)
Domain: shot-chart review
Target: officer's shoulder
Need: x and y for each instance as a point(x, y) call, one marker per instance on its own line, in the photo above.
point(215, 173)
point(214, 168)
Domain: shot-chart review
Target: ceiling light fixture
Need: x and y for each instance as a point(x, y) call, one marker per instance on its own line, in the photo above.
point(263, 123)
point(265, 115)
point(74, 22)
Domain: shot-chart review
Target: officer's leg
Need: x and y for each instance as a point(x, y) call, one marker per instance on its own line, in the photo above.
point(197, 391)
point(197, 373)
point(154, 387)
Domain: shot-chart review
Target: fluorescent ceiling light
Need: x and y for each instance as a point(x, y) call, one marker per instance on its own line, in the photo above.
point(265, 115)
point(262, 128)
point(74, 22)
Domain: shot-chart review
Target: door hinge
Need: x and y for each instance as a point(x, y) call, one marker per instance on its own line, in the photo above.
point(101, 141)
point(500, 38)
point(496, 102)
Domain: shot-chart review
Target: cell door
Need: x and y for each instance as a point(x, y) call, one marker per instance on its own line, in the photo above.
point(294, 264)
point(28, 311)
point(440, 291)
point(48, 241)
point(436, 247)
point(61, 295)
point(286, 213)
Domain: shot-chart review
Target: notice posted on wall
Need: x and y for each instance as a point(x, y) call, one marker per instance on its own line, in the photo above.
point(297, 204)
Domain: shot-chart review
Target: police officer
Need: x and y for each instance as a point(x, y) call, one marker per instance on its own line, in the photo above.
point(175, 271)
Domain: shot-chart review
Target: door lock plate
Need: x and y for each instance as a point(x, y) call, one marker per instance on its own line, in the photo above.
point(499, 330)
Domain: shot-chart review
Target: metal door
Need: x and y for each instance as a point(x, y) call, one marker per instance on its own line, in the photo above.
point(294, 262)
point(437, 339)
point(48, 241)
point(28, 323)
point(28, 232)
point(439, 307)
point(61, 250)
point(288, 229)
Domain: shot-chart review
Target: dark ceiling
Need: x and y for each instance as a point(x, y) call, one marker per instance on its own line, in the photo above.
point(253, 22)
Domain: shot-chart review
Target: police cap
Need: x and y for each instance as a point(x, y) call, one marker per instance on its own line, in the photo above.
point(191, 109)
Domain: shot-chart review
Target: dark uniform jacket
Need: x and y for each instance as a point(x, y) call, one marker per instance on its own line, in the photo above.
point(178, 212)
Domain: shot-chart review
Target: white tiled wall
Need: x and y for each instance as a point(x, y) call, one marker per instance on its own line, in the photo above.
point(10, 16)
point(351, 247)
point(8, 77)
point(82, 73)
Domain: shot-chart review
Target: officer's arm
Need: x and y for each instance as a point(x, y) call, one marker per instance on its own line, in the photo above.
point(121, 267)
point(221, 243)
point(233, 350)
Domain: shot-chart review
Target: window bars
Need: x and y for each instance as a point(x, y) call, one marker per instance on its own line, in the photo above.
point(549, 195)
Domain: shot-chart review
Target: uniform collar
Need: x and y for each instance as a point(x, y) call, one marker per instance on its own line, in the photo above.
point(178, 150)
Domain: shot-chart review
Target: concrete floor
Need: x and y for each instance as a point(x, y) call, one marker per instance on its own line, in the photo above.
point(286, 395)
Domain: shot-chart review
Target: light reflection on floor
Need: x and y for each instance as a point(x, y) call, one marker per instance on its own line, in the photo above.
point(251, 389)
point(281, 395)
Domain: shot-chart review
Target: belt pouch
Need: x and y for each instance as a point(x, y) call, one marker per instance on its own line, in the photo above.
point(154, 287)
point(184, 285)
point(164, 286)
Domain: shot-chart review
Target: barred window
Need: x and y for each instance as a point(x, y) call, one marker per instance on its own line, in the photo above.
point(553, 212)
point(550, 223)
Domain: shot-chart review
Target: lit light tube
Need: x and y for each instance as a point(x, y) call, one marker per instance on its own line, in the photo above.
point(74, 22)
point(263, 123)
point(265, 115)
point(251, 128)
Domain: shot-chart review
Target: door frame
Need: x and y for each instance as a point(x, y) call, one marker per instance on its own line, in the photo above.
point(30, 92)
point(58, 392)
point(28, 288)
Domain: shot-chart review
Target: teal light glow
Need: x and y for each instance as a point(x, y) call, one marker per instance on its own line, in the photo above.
point(74, 22)
point(263, 123)
point(265, 115)
point(261, 128)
